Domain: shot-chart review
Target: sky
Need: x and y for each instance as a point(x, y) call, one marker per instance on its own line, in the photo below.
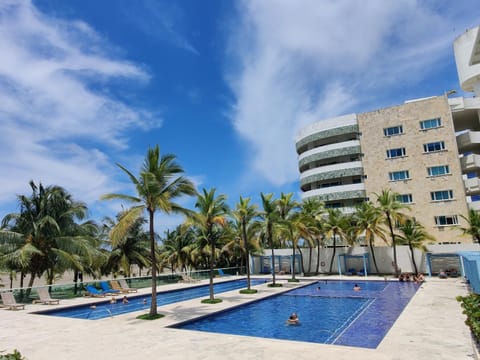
point(223, 85)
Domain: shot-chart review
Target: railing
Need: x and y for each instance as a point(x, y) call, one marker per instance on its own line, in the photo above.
point(74, 290)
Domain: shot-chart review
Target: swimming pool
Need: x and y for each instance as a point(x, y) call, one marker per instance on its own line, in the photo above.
point(104, 309)
point(330, 312)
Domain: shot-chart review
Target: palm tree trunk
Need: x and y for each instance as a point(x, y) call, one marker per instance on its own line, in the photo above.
point(395, 263)
point(273, 255)
point(153, 305)
point(413, 258)
point(293, 260)
point(318, 257)
point(372, 250)
point(212, 260)
point(247, 253)
point(334, 251)
point(30, 284)
point(310, 253)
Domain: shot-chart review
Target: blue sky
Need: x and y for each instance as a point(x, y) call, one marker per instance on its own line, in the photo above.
point(223, 85)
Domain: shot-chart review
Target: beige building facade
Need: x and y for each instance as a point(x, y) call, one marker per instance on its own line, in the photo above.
point(411, 149)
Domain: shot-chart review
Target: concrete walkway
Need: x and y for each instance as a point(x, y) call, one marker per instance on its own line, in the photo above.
point(431, 327)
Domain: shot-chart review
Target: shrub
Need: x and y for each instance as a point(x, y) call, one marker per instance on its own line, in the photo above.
point(12, 356)
point(471, 308)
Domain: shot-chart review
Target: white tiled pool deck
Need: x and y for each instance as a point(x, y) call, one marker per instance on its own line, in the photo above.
point(431, 327)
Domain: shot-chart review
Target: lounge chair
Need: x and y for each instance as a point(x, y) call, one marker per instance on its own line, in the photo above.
point(9, 301)
point(94, 292)
point(188, 279)
point(45, 298)
point(351, 272)
point(107, 289)
point(361, 272)
point(116, 286)
point(221, 273)
point(124, 285)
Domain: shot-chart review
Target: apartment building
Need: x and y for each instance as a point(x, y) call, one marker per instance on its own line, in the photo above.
point(425, 150)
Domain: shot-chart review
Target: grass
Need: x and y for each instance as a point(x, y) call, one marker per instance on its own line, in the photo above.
point(211, 301)
point(150, 317)
point(248, 291)
point(293, 280)
point(275, 285)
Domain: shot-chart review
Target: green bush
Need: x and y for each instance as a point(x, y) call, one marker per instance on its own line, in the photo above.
point(13, 356)
point(471, 308)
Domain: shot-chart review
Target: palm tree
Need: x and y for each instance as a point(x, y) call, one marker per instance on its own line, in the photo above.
point(414, 235)
point(52, 240)
point(334, 226)
point(209, 220)
point(312, 210)
point(132, 249)
point(391, 209)
point(368, 220)
point(159, 183)
point(176, 248)
point(244, 214)
point(269, 218)
point(473, 221)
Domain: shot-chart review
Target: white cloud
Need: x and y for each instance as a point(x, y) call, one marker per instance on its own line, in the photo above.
point(303, 61)
point(56, 122)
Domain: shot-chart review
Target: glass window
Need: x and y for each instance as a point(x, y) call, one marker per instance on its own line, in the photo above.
point(393, 153)
point(392, 131)
point(446, 220)
point(441, 195)
point(438, 170)
point(398, 175)
point(405, 198)
point(434, 146)
point(430, 124)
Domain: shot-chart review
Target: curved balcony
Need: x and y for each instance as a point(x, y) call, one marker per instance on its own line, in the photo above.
point(336, 171)
point(468, 141)
point(331, 151)
point(470, 163)
point(336, 193)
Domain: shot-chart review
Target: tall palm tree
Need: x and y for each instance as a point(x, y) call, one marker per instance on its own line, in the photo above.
point(334, 226)
point(368, 220)
point(311, 210)
point(269, 218)
point(473, 221)
point(209, 220)
point(244, 214)
point(391, 208)
point(158, 184)
point(414, 235)
point(176, 248)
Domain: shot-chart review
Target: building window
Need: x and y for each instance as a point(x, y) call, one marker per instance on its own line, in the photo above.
point(441, 195)
point(430, 124)
point(446, 220)
point(405, 198)
point(392, 131)
point(394, 153)
point(434, 146)
point(398, 175)
point(438, 170)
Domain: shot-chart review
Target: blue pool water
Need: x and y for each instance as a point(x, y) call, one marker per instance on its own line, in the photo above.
point(135, 303)
point(330, 312)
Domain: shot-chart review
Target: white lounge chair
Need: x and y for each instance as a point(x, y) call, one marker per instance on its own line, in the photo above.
point(124, 285)
point(188, 279)
point(10, 302)
point(45, 298)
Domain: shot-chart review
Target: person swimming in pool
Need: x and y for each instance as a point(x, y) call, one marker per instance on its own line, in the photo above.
point(293, 319)
point(357, 288)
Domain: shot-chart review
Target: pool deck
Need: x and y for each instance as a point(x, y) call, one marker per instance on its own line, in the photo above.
point(431, 327)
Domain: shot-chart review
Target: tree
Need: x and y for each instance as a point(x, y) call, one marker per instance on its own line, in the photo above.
point(176, 248)
point(391, 209)
point(414, 235)
point(312, 210)
point(269, 218)
point(244, 214)
point(368, 219)
point(333, 227)
point(51, 240)
point(131, 249)
point(210, 220)
point(158, 184)
point(473, 228)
